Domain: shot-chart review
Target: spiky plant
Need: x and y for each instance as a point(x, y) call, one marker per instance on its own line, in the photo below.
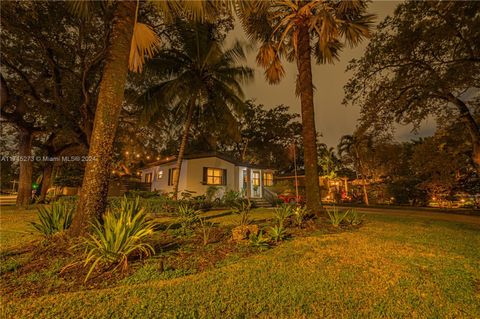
point(53, 219)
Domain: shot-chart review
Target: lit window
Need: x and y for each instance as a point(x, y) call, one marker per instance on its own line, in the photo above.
point(268, 179)
point(256, 179)
point(160, 174)
point(148, 178)
point(215, 176)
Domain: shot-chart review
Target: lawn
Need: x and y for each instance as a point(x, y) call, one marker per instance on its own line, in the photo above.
point(392, 266)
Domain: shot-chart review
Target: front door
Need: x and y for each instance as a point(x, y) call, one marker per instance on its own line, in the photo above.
point(256, 187)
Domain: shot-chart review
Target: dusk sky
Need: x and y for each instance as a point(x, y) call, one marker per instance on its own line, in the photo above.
point(332, 118)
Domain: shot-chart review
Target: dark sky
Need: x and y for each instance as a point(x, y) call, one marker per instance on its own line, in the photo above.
point(332, 118)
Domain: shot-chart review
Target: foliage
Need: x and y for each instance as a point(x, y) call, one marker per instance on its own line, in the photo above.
point(336, 217)
point(300, 214)
point(243, 210)
point(232, 198)
point(187, 217)
point(211, 193)
point(53, 219)
point(282, 213)
point(206, 228)
point(121, 233)
point(257, 240)
point(142, 194)
point(421, 62)
point(277, 233)
point(353, 218)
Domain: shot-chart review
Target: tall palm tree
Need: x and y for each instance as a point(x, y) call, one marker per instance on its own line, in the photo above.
point(296, 30)
point(353, 146)
point(198, 78)
point(130, 41)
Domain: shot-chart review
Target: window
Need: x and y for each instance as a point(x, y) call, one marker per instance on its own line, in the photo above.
point(256, 178)
point(214, 176)
point(148, 178)
point(160, 174)
point(172, 173)
point(268, 179)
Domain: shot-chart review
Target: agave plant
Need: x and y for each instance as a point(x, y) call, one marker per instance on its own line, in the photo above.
point(336, 217)
point(243, 209)
point(54, 219)
point(121, 234)
point(353, 217)
point(187, 216)
point(278, 233)
point(258, 240)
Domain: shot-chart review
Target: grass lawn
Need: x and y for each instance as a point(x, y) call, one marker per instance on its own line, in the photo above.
point(392, 266)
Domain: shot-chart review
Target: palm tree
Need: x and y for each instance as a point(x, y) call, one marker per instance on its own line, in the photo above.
point(353, 146)
point(130, 41)
point(297, 30)
point(200, 79)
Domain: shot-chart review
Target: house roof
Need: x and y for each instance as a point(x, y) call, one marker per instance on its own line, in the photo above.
point(224, 157)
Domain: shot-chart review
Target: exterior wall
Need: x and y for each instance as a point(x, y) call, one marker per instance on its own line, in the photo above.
point(195, 175)
point(161, 184)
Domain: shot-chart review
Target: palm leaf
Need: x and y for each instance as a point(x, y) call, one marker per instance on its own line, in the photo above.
point(145, 42)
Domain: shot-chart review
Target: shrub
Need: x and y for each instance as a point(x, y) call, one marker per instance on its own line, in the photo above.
point(122, 233)
point(232, 198)
point(335, 216)
point(258, 240)
point(54, 219)
point(278, 233)
point(282, 213)
point(300, 215)
point(186, 217)
point(243, 209)
point(206, 230)
point(353, 217)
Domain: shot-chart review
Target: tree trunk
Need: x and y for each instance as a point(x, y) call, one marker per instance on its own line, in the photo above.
point(24, 196)
point(46, 182)
point(472, 125)
point(309, 132)
point(364, 181)
point(93, 196)
point(183, 145)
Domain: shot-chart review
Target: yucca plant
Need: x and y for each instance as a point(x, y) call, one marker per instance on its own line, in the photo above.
point(353, 217)
point(187, 217)
point(299, 215)
point(336, 217)
point(278, 233)
point(129, 206)
point(53, 219)
point(243, 209)
point(121, 234)
point(282, 213)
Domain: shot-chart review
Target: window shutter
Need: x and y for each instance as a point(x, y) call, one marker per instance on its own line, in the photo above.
point(224, 179)
point(204, 175)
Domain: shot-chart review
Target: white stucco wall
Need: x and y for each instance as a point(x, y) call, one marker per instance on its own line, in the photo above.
point(162, 183)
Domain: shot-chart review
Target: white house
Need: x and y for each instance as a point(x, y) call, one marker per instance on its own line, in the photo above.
point(201, 171)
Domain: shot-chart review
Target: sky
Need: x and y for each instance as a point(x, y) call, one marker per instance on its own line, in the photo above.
point(331, 117)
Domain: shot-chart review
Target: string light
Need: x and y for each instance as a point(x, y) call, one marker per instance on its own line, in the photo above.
point(138, 155)
point(126, 153)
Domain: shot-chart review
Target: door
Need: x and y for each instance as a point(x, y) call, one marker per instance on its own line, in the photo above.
point(256, 187)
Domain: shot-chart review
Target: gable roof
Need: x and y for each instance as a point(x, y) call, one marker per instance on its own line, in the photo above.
point(224, 157)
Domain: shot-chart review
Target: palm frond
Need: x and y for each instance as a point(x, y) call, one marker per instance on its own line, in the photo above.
point(145, 42)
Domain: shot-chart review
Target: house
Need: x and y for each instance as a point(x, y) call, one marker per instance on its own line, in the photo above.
point(201, 171)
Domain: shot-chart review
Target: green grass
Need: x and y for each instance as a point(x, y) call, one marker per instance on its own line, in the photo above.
point(15, 228)
point(391, 267)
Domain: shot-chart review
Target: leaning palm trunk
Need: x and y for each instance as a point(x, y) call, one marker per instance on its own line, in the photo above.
point(97, 171)
point(364, 180)
point(24, 195)
point(309, 132)
point(183, 145)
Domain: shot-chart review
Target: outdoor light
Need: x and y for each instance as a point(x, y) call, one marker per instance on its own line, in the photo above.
point(126, 153)
point(148, 157)
point(158, 158)
point(138, 155)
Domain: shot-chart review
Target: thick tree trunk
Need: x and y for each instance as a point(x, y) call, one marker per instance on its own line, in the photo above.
point(472, 125)
point(93, 196)
point(183, 145)
point(24, 196)
point(304, 66)
point(364, 180)
point(46, 181)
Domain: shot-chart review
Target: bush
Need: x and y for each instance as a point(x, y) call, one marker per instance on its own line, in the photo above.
point(232, 198)
point(336, 217)
point(258, 240)
point(142, 194)
point(187, 217)
point(353, 217)
point(54, 219)
point(121, 234)
point(278, 233)
point(243, 209)
point(300, 214)
point(282, 213)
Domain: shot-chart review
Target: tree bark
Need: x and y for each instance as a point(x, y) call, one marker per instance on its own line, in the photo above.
point(93, 195)
point(24, 196)
point(46, 181)
point(183, 145)
point(364, 181)
point(472, 125)
point(304, 66)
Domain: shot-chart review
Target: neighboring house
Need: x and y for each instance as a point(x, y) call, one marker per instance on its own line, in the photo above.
point(201, 171)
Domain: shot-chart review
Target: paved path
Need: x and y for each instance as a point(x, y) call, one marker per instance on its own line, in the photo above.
point(411, 212)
